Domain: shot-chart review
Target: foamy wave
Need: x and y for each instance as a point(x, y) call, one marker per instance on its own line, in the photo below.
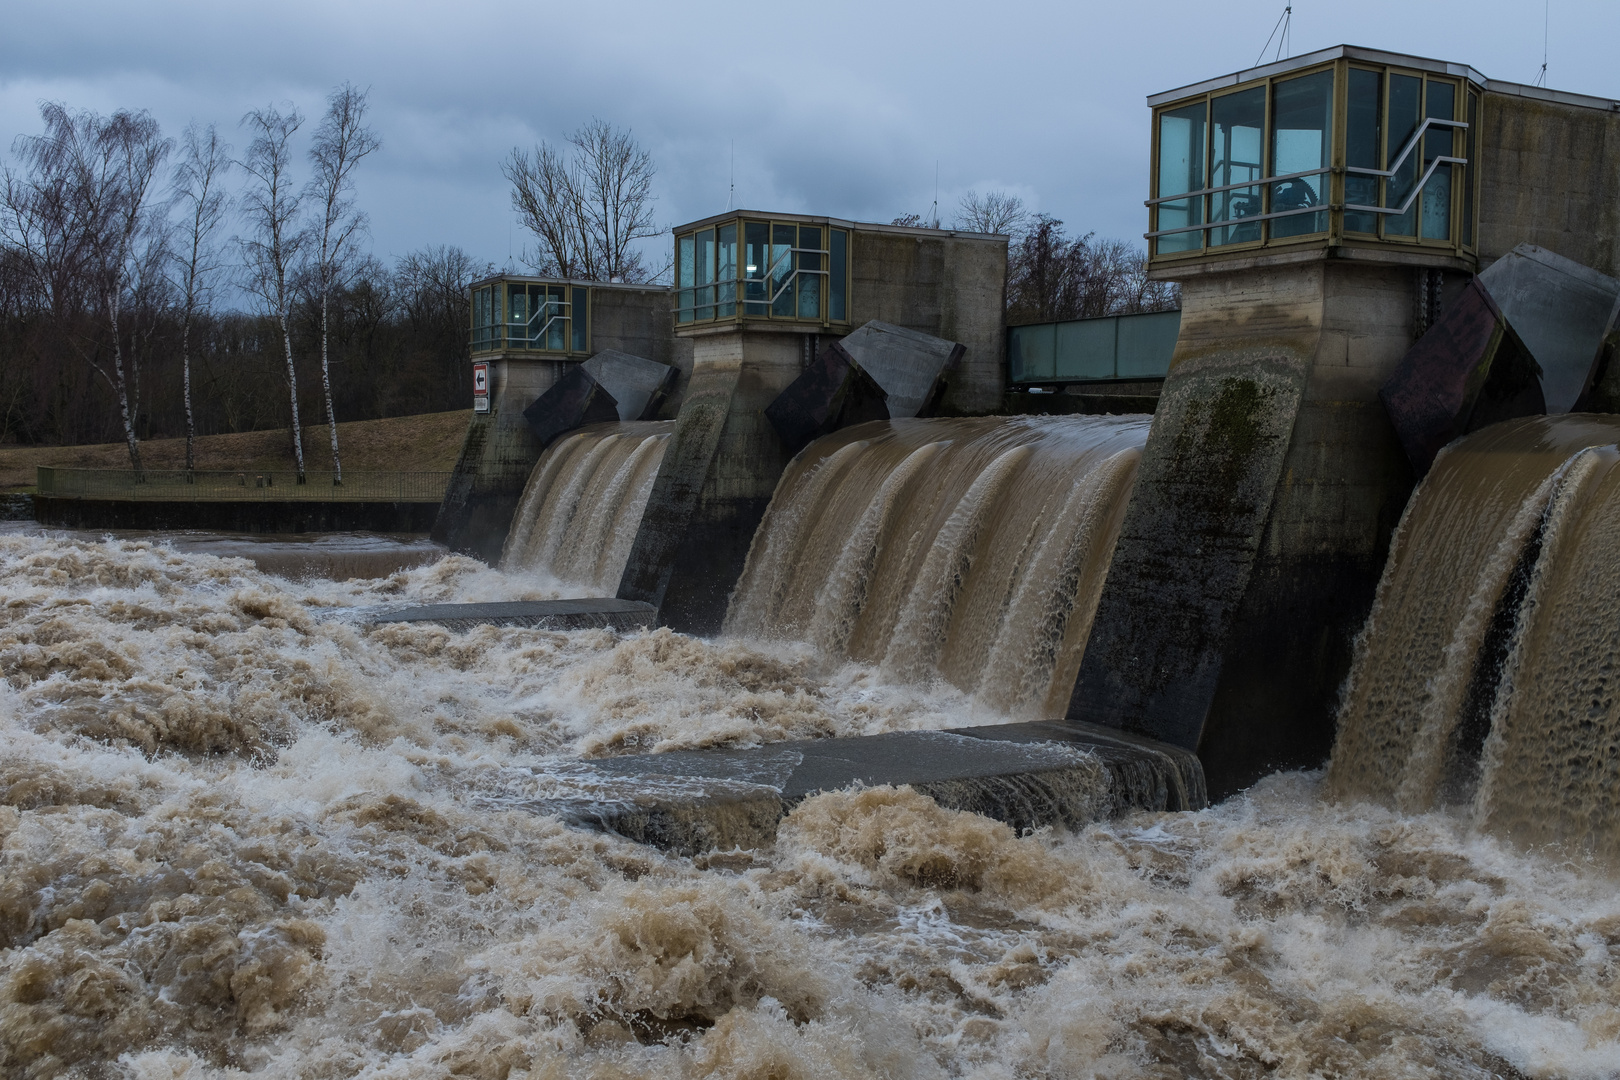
point(241, 833)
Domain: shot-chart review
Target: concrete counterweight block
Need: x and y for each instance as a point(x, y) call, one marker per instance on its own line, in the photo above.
point(1560, 310)
point(833, 392)
point(1468, 371)
point(910, 366)
point(574, 400)
point(637, 384)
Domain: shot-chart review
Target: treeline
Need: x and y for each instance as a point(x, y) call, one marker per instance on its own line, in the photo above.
point(397, 339)
point(1051, 276)
point(126, 257)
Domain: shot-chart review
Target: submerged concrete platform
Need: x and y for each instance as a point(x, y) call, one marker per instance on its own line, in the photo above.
point(582, 614)
point(1027, 775)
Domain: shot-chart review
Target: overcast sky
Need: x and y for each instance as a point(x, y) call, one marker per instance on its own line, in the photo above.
point(840, 108)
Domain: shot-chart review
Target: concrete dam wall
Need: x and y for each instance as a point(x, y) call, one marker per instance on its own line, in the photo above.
point(1484, 677)
point(580, 509)
point(971, 550)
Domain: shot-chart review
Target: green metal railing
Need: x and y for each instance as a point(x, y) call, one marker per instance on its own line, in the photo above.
point(239, 485)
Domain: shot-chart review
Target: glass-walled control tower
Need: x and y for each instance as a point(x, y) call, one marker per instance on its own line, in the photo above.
point(539, 316)
point(1345, 148)
point(738, 268)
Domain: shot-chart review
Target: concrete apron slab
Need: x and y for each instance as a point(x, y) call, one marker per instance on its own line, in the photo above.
point(1027, 775)
point(581, 614)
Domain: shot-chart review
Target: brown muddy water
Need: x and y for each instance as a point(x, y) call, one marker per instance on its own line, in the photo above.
point(244, 834)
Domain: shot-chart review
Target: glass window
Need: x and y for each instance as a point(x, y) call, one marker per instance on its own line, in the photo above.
point(810, 267)
point(550, 330)
point(1441, 102)
point(483, 319)
point(1301, 140)
point(1237, 126)
point(684, 257)
point(726, 273)
point(517, 315)
point(1405, 101)
point(1181, 168)
point(1361, 149)
point(1467, 171)
point(780, 278)
point(580, 317)
point(703, 276)
point(756, 267)
point(837, 285)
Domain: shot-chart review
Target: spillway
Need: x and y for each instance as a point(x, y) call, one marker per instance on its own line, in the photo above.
point(968, 550)
point(1485, 677)
point(580, 508)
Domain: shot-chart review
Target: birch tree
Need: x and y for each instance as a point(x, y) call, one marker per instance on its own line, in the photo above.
point(81, 216)
point(270, 251)
point(341, 141)
point(201, 197)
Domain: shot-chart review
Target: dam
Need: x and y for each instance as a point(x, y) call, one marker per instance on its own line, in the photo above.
point(788, 705)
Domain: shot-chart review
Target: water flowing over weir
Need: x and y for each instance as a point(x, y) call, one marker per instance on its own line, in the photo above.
point(580, 509)
point(968, 549)
point(1485, 675)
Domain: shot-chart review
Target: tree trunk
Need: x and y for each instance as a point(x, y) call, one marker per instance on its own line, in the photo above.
point(185, 374)
point(326, 386)
point(292, 385)
point(123, 390)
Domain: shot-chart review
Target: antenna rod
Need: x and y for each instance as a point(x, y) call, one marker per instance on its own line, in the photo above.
point(1283, 22)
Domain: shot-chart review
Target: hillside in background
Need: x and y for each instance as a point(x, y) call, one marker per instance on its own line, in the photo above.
point(428, 441)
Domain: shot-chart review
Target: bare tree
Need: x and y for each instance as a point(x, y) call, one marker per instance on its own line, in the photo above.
point(433, 284)
point(82, 219)
point(586, 207)
point(271, 209)
point(1052, 277)
point(340, 142)
point(203, 202)
point(992, 212)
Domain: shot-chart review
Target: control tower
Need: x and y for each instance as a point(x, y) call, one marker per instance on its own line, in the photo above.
point(1320, 213)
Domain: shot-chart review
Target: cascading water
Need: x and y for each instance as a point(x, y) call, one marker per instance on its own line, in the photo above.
point(1486, 673)
point(583, 502)
point(968, 549)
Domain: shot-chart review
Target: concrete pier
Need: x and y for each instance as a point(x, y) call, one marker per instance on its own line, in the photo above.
point(1028, 775)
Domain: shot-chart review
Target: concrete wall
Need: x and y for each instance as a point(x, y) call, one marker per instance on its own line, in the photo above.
point(500, 451)
point(715, 481)
point(1550, 175)
point(1269, 487)
point(951, 285)
point(642, 323)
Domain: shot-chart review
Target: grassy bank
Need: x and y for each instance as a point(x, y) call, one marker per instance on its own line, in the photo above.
point(429, 441)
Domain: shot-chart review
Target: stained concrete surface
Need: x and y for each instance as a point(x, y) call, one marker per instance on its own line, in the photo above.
point(578, 614)
point(1028, 775)
point(1560, 310)
point(909, 365)
point(638, 385)
point(832, 392)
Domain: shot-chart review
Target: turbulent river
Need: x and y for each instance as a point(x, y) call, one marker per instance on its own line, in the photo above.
point(244, 833)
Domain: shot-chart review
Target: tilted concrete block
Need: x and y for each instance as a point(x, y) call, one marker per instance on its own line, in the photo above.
point(832, 393)
point(1559, 309)
point(1468, 371)
point(637, 384)
point(908, 365)
point(574, 400)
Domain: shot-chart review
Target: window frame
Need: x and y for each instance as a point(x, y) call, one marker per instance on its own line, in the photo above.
point(779, 305)
point(1462, 233)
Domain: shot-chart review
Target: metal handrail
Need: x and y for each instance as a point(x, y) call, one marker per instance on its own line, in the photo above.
point(773, 299)
point(1407, 205)
point(1234, 187)
point(1411, 142)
